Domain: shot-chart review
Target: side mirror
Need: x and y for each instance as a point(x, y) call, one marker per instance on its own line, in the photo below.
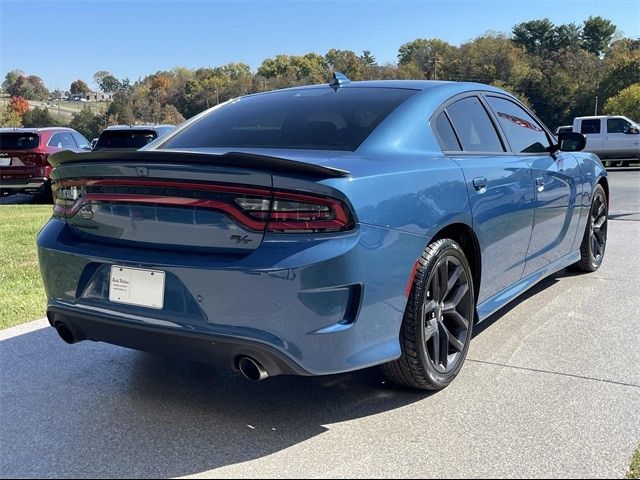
point(571, 142)
point(632, 131)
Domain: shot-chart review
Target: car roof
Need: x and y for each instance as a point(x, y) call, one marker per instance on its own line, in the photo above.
point(139, 127)
point(421, 85)
point(36, 130)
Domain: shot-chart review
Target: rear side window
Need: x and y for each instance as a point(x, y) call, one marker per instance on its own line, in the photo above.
point(18, 141)
point(62, 140)
point(590, 126)
point(524, 134)
point(473, 126)
point(617, 125)
point(133, 139)
point(314, 118)
point(446, 135)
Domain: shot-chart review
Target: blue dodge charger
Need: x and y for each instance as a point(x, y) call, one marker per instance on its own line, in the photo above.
point(322, 229)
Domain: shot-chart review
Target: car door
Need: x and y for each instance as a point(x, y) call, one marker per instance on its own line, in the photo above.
point(556, 177)
point(592, 130)
point(500, 188)
point(619, 141)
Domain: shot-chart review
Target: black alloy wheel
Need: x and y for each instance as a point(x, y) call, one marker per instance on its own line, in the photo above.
point(438, 321)
point(594, 242)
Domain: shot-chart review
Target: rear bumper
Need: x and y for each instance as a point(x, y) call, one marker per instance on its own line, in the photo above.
point(201, 347)
point(23, 184)
point(309, 307)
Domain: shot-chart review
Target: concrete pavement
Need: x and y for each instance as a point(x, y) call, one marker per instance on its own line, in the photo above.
point(551, 388)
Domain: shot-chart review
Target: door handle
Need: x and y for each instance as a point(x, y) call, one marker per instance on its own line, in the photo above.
point(540, 183)
point(480, 184)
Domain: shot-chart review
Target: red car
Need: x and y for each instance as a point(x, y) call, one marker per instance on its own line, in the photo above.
point(23, 157)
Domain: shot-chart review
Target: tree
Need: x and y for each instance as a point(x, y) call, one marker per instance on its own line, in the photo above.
point(10, 78)
point(347, 62)
point(79, 87)
point(536, 36)
point(38, 117)
point(106, 81)
point(31, 88)
point(294, 69)
point(170, 114)
point(9, 118)
point(87, 123)
point(597, 34)
point(569, 36)
point(18, 105)
point(434, 58)
point(367, 59)
point(626, 103)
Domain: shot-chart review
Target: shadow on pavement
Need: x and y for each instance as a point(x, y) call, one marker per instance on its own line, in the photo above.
point(94, 410)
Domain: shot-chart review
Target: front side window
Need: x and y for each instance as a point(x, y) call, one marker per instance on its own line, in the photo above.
point(523, 132)
point(617, 125)
point(473, 126)
point(62, 140)
point(590, 127)
point(81, 140)
point(314, 118)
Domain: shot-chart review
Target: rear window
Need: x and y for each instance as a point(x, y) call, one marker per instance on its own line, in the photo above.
point(19, 141)
point(125, 139)
point(316, 119)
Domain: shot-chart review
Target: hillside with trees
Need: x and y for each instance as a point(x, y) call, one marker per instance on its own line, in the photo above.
point(558, 70)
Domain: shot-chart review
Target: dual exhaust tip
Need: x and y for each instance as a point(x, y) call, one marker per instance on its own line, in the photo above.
point(249, 368)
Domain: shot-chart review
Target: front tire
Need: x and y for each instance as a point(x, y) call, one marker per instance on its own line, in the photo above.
point(438, 321)
point(594, 241)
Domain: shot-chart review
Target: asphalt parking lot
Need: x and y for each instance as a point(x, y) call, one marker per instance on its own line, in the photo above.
point(551, 388)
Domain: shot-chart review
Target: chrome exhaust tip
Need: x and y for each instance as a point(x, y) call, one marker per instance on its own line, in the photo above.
point(252, 369)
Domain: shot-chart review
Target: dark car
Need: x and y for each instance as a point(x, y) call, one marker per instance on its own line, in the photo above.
point(130, 136)
point(23, 157)
point(322, 229)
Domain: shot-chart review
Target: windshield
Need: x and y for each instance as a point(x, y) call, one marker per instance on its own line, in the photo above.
point(315, 118)
point(19, 141)
point(125, 139)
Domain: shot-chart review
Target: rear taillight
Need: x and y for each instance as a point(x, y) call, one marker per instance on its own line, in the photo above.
point(288, 212)
point(253, 208)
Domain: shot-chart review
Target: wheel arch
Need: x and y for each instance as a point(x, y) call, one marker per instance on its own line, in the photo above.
point(464, 235)
point(605, 185)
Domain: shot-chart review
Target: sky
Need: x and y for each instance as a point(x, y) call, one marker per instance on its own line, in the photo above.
point(62, 40)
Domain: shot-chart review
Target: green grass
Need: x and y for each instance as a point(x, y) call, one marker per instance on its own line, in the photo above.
point(22, 295)
point(634, 468)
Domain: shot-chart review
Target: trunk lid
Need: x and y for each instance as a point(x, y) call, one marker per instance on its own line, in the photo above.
point(169, 200)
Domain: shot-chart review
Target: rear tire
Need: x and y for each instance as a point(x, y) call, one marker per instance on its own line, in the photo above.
point(594, 240)
point(45, 194)
point(438, 321)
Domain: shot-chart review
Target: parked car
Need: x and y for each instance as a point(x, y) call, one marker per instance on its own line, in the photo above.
point(563, 129)
point(322, 229)
point(614, 138)
point(130, 136)
point(24, 153)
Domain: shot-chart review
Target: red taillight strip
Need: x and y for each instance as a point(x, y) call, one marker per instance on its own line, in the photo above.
point(162, 200)
point(279, 221)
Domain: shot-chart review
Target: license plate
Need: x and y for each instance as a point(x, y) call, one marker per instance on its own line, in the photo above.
point(137, 286)
point(5, 161)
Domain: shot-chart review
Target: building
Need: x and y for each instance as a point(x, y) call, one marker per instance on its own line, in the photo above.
point(99, 96)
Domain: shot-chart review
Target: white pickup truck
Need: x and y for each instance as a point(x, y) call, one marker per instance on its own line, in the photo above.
point(612, 138)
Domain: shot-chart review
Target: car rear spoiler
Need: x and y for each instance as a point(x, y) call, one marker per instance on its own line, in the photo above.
point(230, 159)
